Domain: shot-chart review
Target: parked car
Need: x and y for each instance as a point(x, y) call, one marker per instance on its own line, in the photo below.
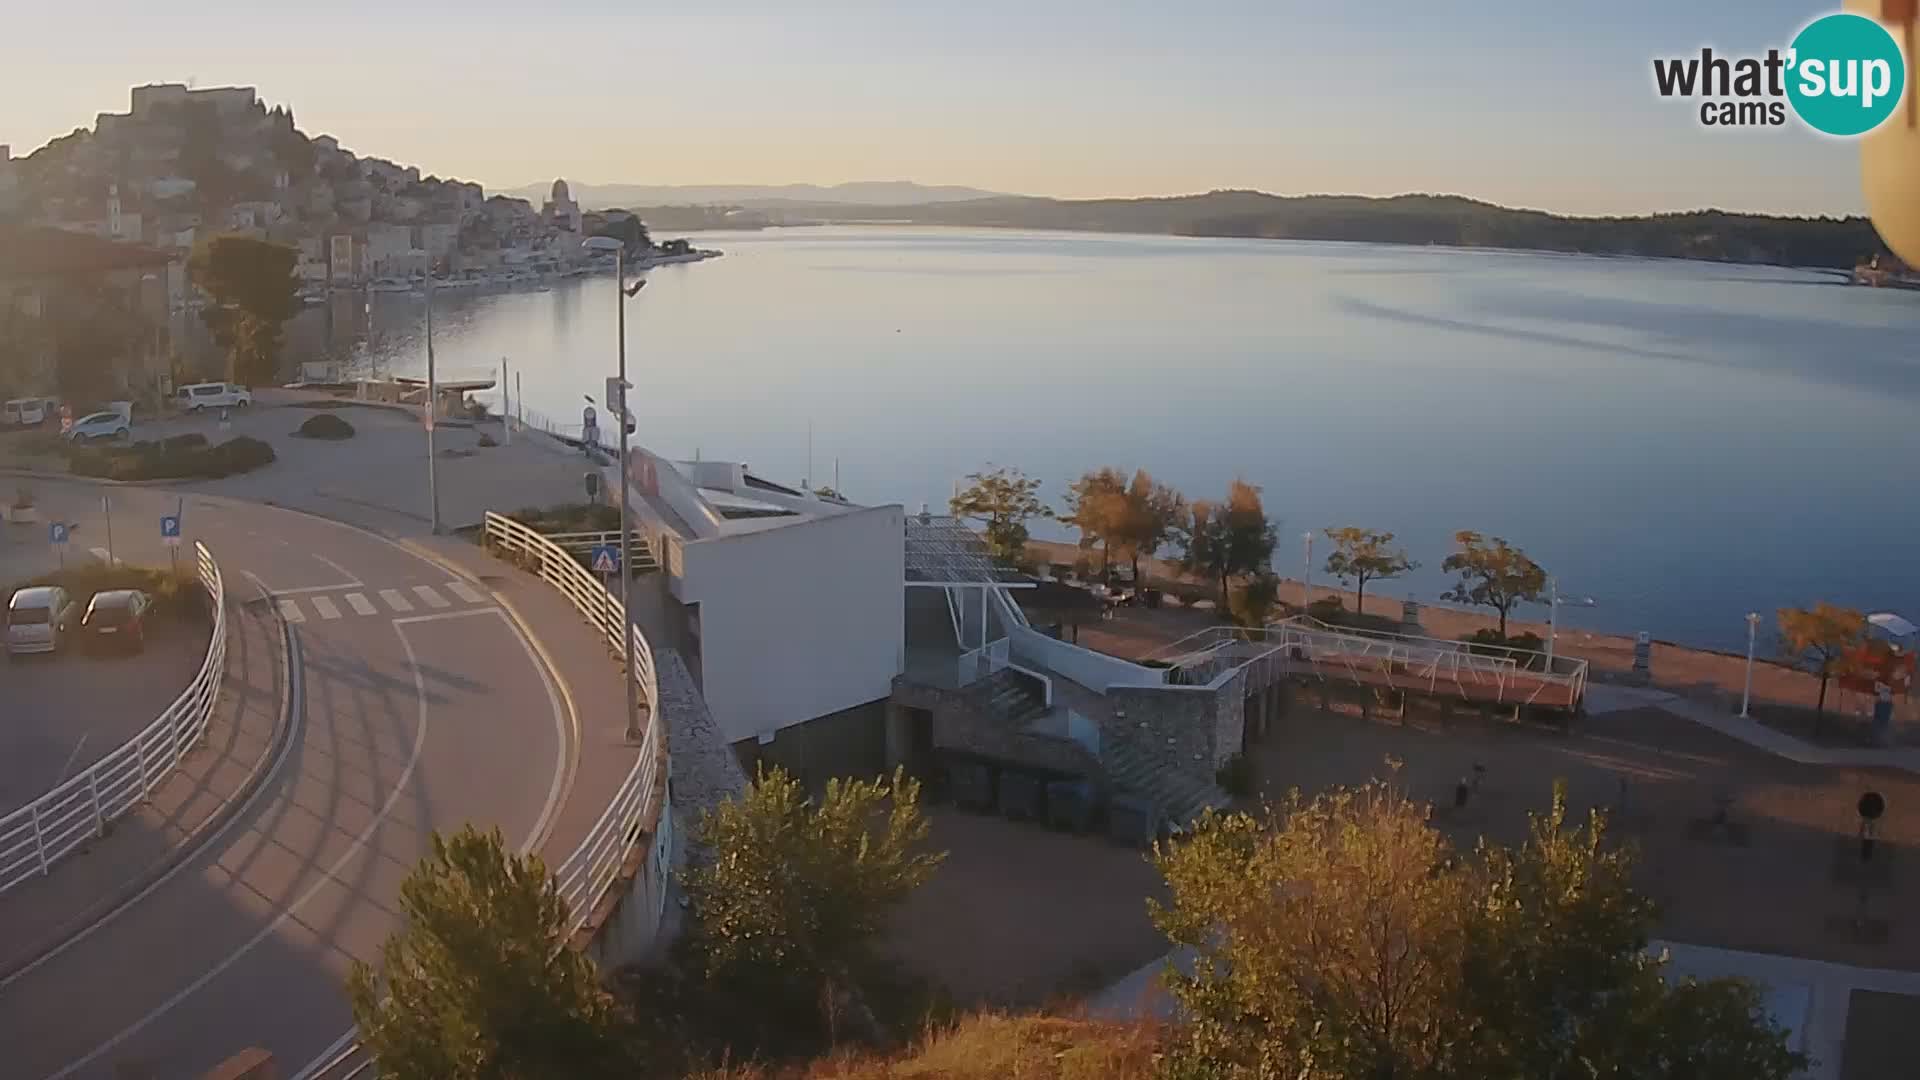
point(100, 425)
point(28, 412)
point(38, 619)
point(213, 395)
point(117, 618)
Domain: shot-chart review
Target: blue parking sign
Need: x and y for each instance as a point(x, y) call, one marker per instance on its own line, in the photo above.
point(57, 532)
point(170, 530)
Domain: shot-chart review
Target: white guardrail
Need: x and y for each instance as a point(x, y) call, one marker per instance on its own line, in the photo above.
point(38, 834)
point(582, 880)
point(585, 875)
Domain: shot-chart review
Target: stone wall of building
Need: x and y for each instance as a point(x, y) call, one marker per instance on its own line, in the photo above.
point(1187, 729)
point(961, 724)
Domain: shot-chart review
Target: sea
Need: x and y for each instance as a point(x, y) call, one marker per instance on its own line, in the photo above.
point(1678, 443)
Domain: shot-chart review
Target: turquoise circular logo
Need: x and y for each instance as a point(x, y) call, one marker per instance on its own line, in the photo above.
point(1846, 74)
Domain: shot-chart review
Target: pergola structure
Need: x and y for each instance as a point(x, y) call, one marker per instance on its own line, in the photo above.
point(944, 553)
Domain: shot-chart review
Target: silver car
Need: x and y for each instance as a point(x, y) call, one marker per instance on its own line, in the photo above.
point(100, 425)
point(38, 618)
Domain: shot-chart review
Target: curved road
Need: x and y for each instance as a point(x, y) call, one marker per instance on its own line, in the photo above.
point(417, 706)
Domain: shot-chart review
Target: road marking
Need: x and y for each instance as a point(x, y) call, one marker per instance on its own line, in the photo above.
point(290, 611)
point(431, 598)
point(325, 607)
point(68, 767)
point(395, 600)
point(566, 729)
point(464, 591)
point(344, 572)
point(360, 604)
point(305, 589)
point(330, 877)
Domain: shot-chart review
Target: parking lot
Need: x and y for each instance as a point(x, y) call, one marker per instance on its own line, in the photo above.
point(61, 712)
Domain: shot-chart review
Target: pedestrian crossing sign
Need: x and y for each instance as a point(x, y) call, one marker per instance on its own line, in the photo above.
point(606, 559)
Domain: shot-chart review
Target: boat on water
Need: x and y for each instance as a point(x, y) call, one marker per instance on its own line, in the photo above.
point(1889, 275)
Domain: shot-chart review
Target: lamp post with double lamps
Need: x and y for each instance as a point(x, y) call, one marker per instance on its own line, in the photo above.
point(622, 295)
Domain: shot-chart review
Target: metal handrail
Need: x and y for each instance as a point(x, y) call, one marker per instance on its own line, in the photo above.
point(585, 875)
point(77, 810)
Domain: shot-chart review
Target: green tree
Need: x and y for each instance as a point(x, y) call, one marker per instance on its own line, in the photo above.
point(254, 293)
point(1255, 600)
point(1343, 938)
point(1004, 499)
point(1820, 638)
point(1493, 574)
point(1153, 512)
point(1362, 555)
point(794, 893)
point(628, 229)
point(1096, 504)
point(93, 329)
point(480, 982)
point(1222, 540)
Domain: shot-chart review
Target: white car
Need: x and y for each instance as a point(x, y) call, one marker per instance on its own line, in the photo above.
point(213, 395)
point(100, 425)
point(27, 412)
point(38, 619)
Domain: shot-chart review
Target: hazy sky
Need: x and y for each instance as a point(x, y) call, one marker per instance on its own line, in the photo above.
point(1546, 104)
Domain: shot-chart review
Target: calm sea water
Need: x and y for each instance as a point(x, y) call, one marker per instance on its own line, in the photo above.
point(1683, 442)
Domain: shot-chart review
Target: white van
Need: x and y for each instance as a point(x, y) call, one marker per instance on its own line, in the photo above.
point(26, 412)
point(212, 395)
point(38, 619)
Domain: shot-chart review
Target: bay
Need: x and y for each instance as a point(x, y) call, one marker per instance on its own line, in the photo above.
point(1683, 442)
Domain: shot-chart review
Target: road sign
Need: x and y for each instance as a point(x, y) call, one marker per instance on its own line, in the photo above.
point(57, 532)
point(170, 530)
point(605, 559)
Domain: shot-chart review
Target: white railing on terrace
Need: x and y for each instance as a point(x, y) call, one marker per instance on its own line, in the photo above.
point(989, 659)
point(1203, 657)
point(35, 836)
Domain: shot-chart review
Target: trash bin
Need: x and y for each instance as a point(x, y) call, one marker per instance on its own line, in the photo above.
point(1131, 821)
point(1070, 805)
point(1020, 795)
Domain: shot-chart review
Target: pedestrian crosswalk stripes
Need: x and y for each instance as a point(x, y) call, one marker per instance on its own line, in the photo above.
point(298, 609)
point(429, 597)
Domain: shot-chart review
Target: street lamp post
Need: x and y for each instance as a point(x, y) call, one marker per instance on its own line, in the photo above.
point(1306, 575)
point(608, 243)
point(433, 400)
point(1746, 693)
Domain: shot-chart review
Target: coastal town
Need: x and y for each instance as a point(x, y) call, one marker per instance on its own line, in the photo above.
point(406, 665)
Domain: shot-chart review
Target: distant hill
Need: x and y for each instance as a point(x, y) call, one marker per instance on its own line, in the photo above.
point(755, 196)
point(1449, 220)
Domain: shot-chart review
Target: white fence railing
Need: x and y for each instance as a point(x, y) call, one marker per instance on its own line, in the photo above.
point(582, 880)
point(35, 836)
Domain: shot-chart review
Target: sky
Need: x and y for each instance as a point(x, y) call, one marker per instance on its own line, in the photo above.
point(1546, 104)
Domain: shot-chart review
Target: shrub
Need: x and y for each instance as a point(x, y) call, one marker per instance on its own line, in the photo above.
point(569, 517)
point(325, 425)
point(1328, 609)
point(1526, 649)
point(172, 591)
point(487, 440)
point(192, 440)
point(174, 459)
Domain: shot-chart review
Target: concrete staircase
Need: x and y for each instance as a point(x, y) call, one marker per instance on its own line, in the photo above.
point(1179, 797)
point(1010, 695)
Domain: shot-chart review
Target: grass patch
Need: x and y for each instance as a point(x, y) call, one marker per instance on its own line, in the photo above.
point(994, 1046)
point(174, 593)
point(569, 517)
point(179, 458)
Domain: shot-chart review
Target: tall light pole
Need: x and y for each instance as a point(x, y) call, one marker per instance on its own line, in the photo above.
point(1306, 576)
point(433, 400)
point(621, 294)
point(1553, 615)
point(1746, 694)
